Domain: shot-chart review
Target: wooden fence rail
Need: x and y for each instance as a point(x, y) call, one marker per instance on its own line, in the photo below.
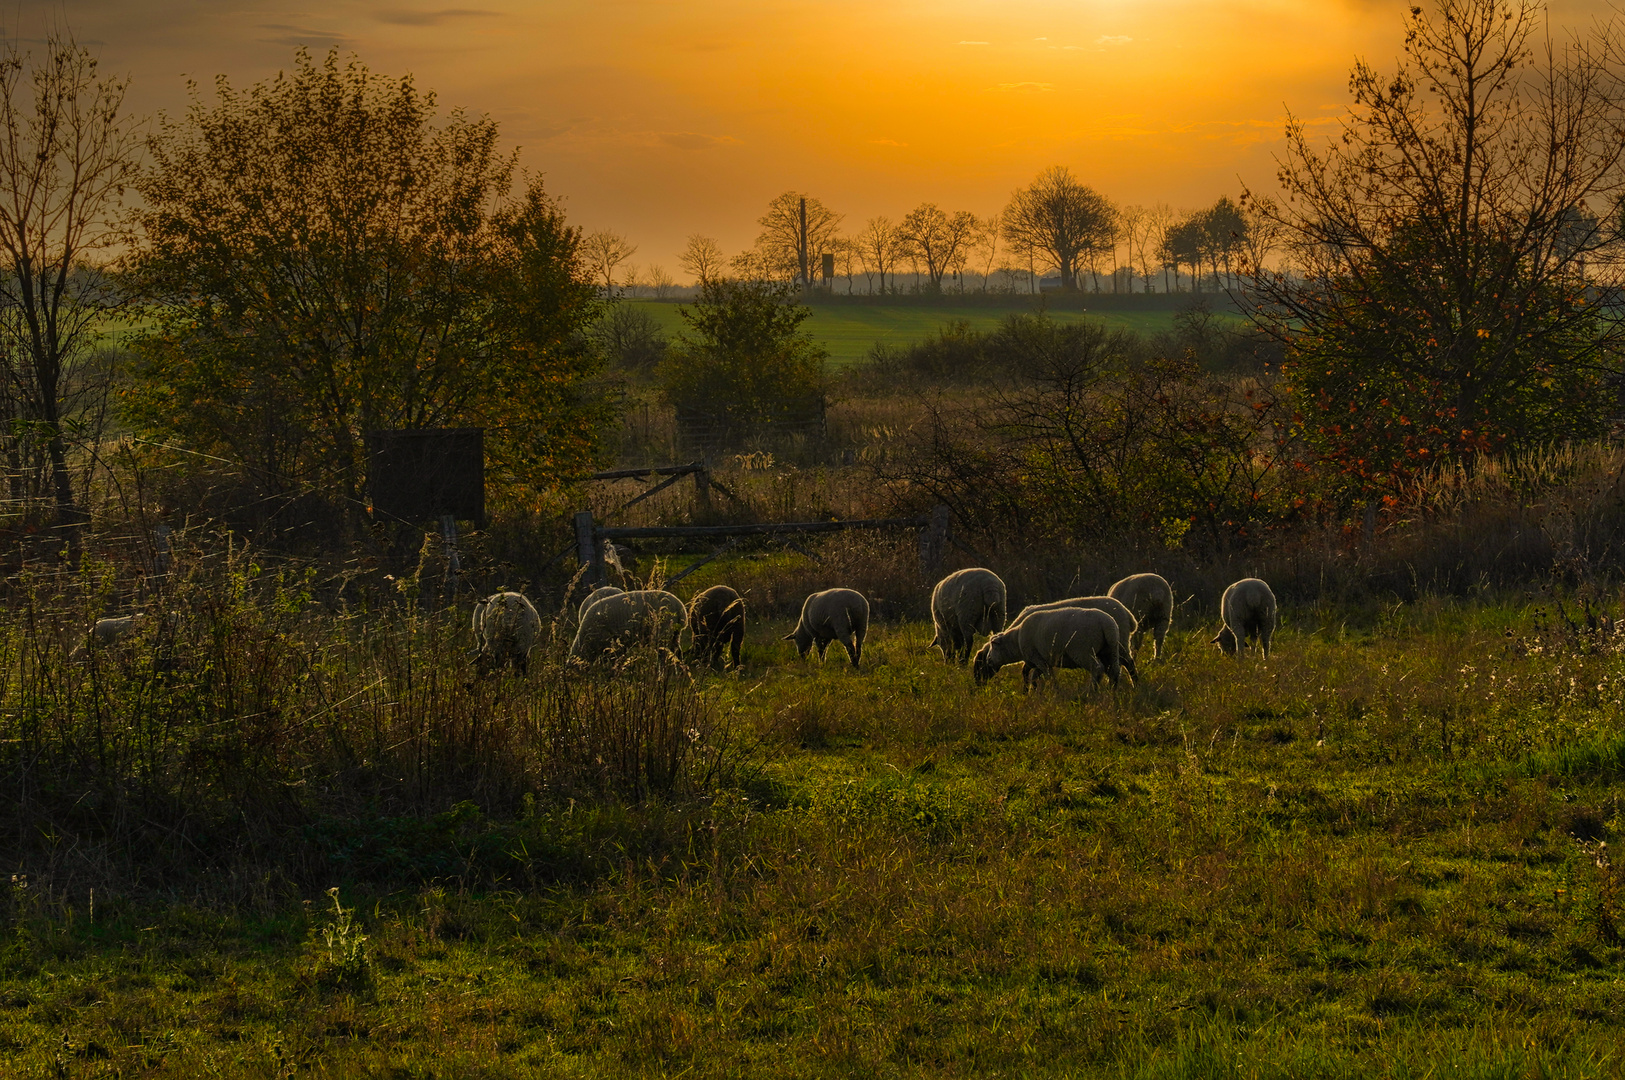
point(590, 538)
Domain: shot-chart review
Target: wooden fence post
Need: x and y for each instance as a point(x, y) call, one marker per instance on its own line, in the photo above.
point(587, 550)
point(702, 486)
point(454, 565)
point(161, 553)
point(934, 541)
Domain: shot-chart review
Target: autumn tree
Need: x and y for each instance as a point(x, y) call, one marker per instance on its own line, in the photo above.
point(1060, 221)
point(744, 364)
point(1443, 303)
point(796, 232)
point(67, 150)
point(320, 258)
point(937, 239)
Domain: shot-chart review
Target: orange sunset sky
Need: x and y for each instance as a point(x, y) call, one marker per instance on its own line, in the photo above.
point(661, 118)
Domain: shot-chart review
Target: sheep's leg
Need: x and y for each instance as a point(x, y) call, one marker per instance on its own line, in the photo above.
point(1264, 641)
point(1161, 632)
point(856, 648)
point(738, 639)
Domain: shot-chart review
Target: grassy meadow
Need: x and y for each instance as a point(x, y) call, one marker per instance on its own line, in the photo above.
point(849, 332)
point(1384, 852)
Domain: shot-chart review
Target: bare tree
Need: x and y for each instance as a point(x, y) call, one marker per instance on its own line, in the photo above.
point(796, 232)
point(1153, 236)
point(603, 252)
point(1061, 221)
point(660, 282)
point(702, 258)
point(1262, 235)
point(878, 249)
point(1134, 222)
point(936, 238)
point(66, 153)
point(847, 260)
point(986, 246)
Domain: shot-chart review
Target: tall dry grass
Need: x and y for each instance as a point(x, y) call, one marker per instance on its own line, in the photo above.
point(244, 725)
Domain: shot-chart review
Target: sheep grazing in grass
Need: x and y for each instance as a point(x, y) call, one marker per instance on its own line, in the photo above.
point(506, 627)
point(1151, 600)
point(964, 604)
point(716, 619)
point(621, 619)
point(1121, 615)
point(111, 631)
point(597, 594)
point(107, 632)
point(1059, 637)
point(1248, 609)
point(832, 615)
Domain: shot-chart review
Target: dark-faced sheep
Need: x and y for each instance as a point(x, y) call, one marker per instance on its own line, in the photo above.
point(716, 619)
point(1151, 600)
point(506, 627)
point(964, 604)
point(623, 619)
point(1248, 609)
point(832, 615)
point(1045, 640)
point(1126, 624)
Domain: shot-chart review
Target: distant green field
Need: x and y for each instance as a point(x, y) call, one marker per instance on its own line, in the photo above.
point(849, 332)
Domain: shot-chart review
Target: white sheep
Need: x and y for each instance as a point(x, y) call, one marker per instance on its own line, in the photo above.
point(107, 633)
point(1121, 615)
point(622, 619)
point(597, 594)
point(1046, 640)
point(964, 604)
point(506, 627)
point(1248, 610)
point(716, 619)
point(1151, 600)
point(832, 615)
point(111, 631)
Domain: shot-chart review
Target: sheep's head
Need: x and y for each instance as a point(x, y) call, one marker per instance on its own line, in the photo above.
point(803, 639)
point(1226, 641)
point(982, 667)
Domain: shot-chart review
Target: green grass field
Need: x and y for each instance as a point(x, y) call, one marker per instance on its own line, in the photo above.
point(849, 332)
point(1377, 854)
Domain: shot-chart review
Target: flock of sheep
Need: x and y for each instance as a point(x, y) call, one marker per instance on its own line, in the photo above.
point(1099, 634)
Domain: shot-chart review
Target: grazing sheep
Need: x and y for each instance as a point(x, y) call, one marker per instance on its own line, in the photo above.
point(832, 615)
point(597, 594)
point(622, 619)
point(107, 633)
point(716, 618)
point(964, 604)
point(1059, 637)
point(111, 631)
point(1248, 609)
point(1151, 600)
point(506, 627)
point(1126, 624)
